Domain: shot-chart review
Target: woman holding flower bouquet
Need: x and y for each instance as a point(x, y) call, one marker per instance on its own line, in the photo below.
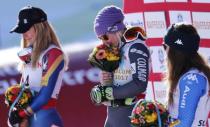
point(129, 79)
point(43, 67)
point(188, 76)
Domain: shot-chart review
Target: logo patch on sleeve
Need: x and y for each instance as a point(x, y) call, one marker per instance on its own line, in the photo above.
point(45, 62)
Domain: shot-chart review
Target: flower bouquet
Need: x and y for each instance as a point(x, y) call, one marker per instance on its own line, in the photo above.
point(105, 57)
point(17, 97)
point(149, 114)
point(12, 93)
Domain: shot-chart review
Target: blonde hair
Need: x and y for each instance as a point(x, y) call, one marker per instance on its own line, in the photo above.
point(45, 36)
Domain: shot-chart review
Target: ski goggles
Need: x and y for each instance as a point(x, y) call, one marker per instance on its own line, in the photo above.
point(134, 33)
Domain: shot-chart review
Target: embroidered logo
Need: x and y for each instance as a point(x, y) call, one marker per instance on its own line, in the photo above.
point(133, 68)
point(184, 96)
point(112, 28)
point(45, 62)
point(179, 42)
point(25, 21)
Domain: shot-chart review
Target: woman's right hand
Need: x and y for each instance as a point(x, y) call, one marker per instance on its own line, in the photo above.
point(106, 78)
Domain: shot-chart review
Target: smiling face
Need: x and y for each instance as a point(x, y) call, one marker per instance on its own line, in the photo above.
point(29, 36)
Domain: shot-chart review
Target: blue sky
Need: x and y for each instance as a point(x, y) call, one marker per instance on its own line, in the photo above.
point(72, 19)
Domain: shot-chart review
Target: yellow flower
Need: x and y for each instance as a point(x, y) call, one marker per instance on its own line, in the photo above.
point(111, 57)
point(174, 123)
point(151, 118)
point(12, 93)
point(24, 99)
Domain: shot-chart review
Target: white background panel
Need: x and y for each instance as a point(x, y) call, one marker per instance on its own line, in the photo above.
point(180, 16)
point(201, 1)
point(201, 20)
point(176, 0)
point(158, 56)
point(160, 92)
point(149, 92)
point(134, 19)
point(205, 52)
point(155, 24)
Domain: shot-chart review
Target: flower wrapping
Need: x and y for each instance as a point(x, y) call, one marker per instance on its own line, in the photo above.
point(105, 57)
point(145, 114)
point(12, 93)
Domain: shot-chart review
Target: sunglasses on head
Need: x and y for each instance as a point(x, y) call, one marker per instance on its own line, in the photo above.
point(134, 33)
point(104, 37)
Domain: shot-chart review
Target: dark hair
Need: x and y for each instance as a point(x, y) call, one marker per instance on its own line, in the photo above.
point(180, 62)
point(182, 37)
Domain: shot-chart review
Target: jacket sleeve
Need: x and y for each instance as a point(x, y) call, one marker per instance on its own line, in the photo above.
point(192, 87)
point(52, 65)
point(139, 59)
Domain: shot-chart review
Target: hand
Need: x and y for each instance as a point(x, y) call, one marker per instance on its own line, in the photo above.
point(101, 94)
point(14, 118)
point(18, 117)
point(106, 78)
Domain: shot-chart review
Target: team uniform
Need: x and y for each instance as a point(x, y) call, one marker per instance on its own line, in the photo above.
point(191, 100)
point(45, 82)
point(132, 77)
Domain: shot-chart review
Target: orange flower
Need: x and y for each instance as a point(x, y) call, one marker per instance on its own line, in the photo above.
point(105, 57)
point(135, 121)
point(146, 113)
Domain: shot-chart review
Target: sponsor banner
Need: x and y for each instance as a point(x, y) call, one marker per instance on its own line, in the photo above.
point(176, 0)
point(160, 92)
point(201, 20)
point(134, 19)
point(180, 16)
point(153, 1)
point(149, 92)
point(158, 59)
point(205, 52)
point(155, 24)
point(200, 1)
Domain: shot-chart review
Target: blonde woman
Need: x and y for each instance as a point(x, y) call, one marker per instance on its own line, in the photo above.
point(43, 67)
